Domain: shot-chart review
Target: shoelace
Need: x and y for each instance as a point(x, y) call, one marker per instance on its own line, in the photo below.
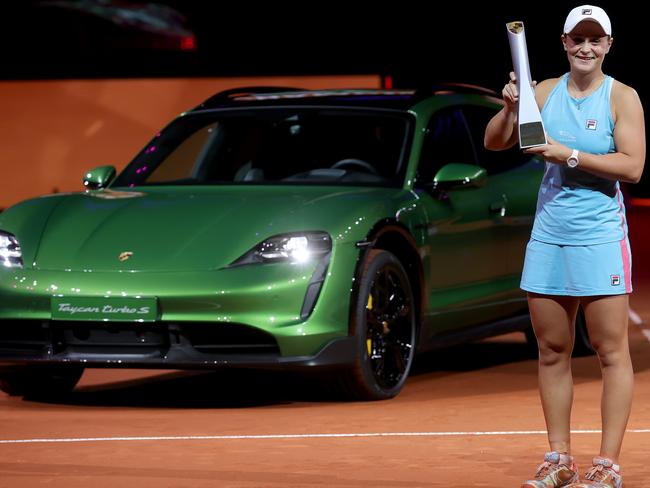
point(596, 473)
point(543, 469)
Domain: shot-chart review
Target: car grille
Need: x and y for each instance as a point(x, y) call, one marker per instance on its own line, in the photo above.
point(134, 338)
point(228, 339)
point(109, 338)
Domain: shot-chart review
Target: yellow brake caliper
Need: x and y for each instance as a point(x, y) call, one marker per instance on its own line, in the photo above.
point(369, 341)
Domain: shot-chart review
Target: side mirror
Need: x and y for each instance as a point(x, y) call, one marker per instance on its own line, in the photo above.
point(457, 175)
point(100, 177)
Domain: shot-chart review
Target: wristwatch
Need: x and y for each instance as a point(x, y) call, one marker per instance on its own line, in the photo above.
point(572, 161)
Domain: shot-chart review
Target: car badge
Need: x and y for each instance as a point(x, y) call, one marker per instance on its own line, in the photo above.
point(125, 255)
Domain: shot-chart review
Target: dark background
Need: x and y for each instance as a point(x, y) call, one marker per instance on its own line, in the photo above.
point(415, 43)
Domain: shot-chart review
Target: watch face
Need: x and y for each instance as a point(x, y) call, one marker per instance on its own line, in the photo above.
point(572, 162)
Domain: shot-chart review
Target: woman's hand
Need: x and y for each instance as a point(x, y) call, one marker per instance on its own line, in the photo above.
point(501, 131)
point(553, 152)
point(510, 92)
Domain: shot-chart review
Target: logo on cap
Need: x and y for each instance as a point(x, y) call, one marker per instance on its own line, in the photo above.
point(587, 12)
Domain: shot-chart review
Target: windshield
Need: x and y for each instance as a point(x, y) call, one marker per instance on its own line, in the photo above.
point(275, 146)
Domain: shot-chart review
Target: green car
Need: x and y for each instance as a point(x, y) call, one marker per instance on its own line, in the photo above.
point(334, 231)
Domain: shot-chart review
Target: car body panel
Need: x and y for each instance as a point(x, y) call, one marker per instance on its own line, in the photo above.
point(88, 231)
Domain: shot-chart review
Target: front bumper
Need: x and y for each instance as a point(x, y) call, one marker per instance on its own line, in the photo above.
point(157, 345)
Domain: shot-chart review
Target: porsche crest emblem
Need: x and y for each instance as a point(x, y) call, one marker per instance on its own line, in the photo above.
point(125, 255)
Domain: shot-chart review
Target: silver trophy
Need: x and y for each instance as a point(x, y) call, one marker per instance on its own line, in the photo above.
point(531, 127)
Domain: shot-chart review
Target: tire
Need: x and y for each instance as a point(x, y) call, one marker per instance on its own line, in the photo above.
point(384, 326)
point(582, 345)
point(41, 381)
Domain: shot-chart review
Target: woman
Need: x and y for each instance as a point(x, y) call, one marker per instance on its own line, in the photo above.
point(579, 252)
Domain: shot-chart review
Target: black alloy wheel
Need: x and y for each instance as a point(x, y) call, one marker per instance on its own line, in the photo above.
point(384, 327)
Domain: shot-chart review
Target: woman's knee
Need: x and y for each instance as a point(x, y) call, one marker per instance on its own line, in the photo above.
point(553, 318)
point(552, 353)
point(611, 353)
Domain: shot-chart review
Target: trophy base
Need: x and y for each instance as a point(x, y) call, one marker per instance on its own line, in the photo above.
point(531, 134)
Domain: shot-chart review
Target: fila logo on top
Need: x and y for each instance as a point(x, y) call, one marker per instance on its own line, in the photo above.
point(591, 124)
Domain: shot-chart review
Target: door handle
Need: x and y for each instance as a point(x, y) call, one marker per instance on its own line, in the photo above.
point(499, 206)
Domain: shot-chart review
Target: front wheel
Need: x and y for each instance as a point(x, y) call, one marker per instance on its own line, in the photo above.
point(384, 326)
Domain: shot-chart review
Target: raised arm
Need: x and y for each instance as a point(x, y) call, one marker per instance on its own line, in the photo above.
point(501, 131)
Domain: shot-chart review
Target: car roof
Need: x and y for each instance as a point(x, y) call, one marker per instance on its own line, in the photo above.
point(397, 99)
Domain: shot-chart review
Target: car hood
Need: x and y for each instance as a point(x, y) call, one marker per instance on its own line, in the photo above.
point(193, 228)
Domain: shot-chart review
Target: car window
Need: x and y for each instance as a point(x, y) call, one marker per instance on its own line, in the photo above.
point(183, 160)
point(268, 146)
point(494, 162)
point(446, 140)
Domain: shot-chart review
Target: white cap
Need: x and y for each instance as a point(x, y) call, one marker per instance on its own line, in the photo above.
point(590, 13)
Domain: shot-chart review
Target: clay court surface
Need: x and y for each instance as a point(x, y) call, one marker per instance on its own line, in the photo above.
point(468, 417)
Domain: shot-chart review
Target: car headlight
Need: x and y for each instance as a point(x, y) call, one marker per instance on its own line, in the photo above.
point(291, 248)
point(10, 255)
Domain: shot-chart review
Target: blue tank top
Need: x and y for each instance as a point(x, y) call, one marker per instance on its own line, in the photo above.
point(575, 207)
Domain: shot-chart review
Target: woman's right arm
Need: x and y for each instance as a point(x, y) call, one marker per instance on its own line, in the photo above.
point(501, 132)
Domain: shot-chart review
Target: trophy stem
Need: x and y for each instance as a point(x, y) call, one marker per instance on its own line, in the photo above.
point(530, 125)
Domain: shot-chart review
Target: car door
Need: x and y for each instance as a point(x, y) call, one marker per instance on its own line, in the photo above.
point(464, 248)
point(517, 176)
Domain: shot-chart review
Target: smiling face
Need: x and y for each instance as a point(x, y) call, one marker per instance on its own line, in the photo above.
point(586, 46)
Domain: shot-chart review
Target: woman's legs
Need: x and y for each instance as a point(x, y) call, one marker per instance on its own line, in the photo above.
point(553, 320)
point(606, 319)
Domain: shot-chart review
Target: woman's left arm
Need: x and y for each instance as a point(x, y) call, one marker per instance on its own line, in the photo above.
point(626, 164)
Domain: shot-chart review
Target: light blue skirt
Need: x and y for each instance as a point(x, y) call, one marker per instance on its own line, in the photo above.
point(598, 269)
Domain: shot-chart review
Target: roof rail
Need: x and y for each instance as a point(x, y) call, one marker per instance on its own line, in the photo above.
point(451, 88)
point(226, 95)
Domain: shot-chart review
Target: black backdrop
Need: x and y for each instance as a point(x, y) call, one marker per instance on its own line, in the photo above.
point(416, 42)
